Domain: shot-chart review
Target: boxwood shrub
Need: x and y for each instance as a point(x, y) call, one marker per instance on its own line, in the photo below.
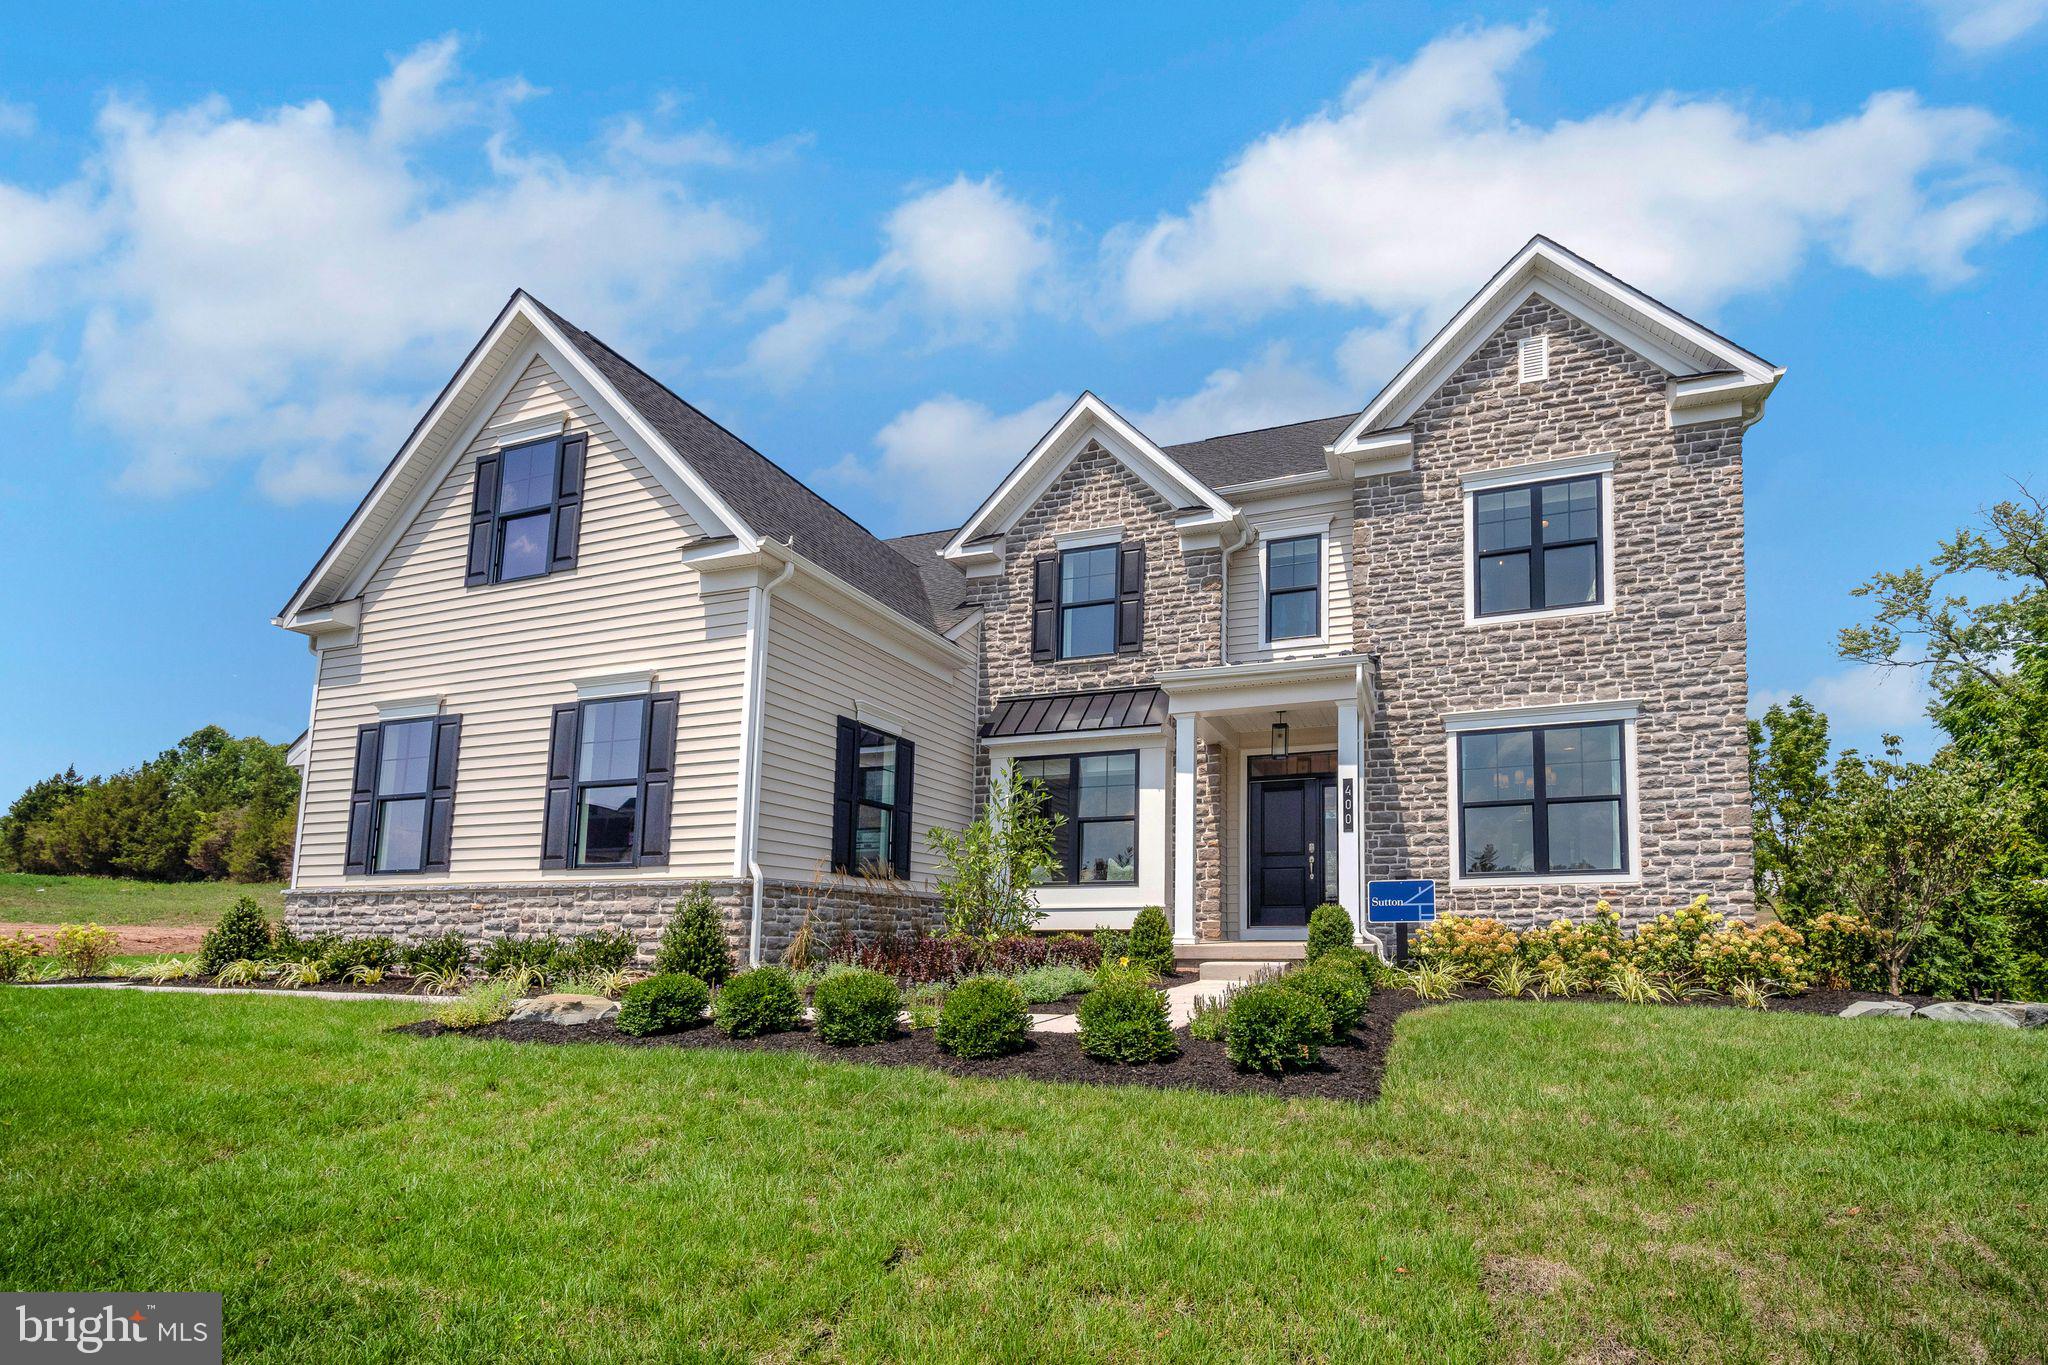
point(1328, 927)
point(856, 1007)
point(662, 1004)
point(1273, 1027)
point(1150, 943)
point(694, 940)
point(608, 951)
point(984, 1016)
point(1126, 1022)
point(535, 954)
point(763, 1000)
point(343, 956)
point(241, 933)
point(1338, 986)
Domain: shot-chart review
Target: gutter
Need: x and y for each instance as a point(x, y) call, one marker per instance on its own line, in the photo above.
point(1229, 550)
point(757, 666)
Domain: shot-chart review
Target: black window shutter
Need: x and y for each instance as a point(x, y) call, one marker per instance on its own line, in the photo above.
point(483, 506)
point(561, 788)
point(900, 825)
point(1045, 607)
point(845, 772)
point(658, 778)
point(441, 792)
point(569, 505)
point(362, 800)
point(1130, 599)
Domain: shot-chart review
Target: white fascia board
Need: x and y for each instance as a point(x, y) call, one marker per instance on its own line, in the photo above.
point(335, 618)
point(958, 632)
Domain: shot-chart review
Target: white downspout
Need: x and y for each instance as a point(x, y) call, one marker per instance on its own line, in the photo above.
point(1228, 551)
point(757, 667)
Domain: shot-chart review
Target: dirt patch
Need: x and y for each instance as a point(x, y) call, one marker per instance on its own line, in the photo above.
point(1350, 1070)
point(1508, 1279)
point(128, 938)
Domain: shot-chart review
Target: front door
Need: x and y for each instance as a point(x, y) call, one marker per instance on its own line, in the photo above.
point(1288, 858)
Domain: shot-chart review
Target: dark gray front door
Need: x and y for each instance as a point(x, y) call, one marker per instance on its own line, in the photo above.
point(1284, 866)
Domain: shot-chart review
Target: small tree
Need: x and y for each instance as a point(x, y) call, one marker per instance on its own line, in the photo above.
point(993, 867)
point(1788, 785)
point(694, 942)
point(1901, 843)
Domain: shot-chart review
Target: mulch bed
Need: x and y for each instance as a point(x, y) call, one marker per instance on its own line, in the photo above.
point(1350, 1070)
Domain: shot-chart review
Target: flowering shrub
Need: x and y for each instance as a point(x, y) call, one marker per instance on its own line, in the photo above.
point(1844, 952)
point(1772, 952)
point(85, 948)
point(1665, 945)
point(1472, 946)
point(1588, 951)
point(16, 952)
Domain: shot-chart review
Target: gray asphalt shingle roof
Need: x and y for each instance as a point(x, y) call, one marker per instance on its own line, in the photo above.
point(1270, 453)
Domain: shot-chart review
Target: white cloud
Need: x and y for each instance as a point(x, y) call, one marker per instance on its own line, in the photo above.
point(43, 372)
point(291, 285)
point(941, 458)
point(965, 259)
point(1420, 180)
point(1861, 702)
point(1981, 25)
point(16, 120)
point(1269, 392)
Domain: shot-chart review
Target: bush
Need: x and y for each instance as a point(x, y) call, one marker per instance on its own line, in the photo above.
point(1667, 943)
point(85, 948)
point(1773, 953)
point(1150, 944)
point(609, 951)
point(486, 1002)
point(1338, 987)
point(694, 940)
point(856, 1007)
point(662, 1004)
point(1126, 1023)
point(444, 956)
point(532, 956)
point(1209, 1017)
point(1587, 951)
point(923, 1004)
point(984, 1016)
point(16, 952)
point(1275, 1028)
point(343, 956)
point(241, 933)
point(1842, 952)
point(760, 1001)
point(1043, 985)
point(1472, 946)
point(1329, 926)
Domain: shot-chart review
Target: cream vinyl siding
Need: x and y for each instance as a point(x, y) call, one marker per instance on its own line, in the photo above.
point(818, 671)
point(501, 656)
point(1246, 607)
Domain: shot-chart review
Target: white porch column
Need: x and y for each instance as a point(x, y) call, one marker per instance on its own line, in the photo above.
point(1184, 829)
point(1350, 817)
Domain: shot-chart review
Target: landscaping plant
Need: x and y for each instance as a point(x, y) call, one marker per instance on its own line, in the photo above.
point(535, 956)
point(989, 871)
point(1207, 1020)
point(161, 970)
point(1770, 952)
point(1338, 987)
point(343, 956)
point(487, 1002)
point(444, 957)
point(694, 941)
point(241, 933)
point(608, 951)
point(856, 1007)
point(1126, 1023)
point(17, 952)
point(1329, 926)
point(241, 972)
point(1669, 943)
point(663, 1003)
point(1632, 985)
point(924, 1003)
point(1272, 1027)
point(1750, 993)
point(1432, 981)
point(984, 1016)
point(1150, 943)
point(763, 1000)
point(1474, 946)
point(84, 948)
point(1844, 952)
point(1055, 981)
point(362, 974)
point(1512, 979)
point(304, 972)
point(1590, 949)
point(436, 981)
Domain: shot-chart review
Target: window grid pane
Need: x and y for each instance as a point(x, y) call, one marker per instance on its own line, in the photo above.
point(1088, 575)
point(1542, 800)
point(1536, 547)
point(1293, 563)
point(526, 477)
point(406, 758)
point(604, 824)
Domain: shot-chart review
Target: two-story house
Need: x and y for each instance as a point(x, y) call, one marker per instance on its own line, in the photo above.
point(580, 647)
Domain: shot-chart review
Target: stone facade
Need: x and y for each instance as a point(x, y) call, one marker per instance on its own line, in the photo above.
point(839, 908)
point(1211, 839)
point(1674, 641)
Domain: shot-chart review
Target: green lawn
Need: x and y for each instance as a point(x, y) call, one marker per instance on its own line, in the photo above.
point(1548, 1182)
point(26, 898)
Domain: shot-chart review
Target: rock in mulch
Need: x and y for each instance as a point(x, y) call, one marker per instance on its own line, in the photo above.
point(1888, 1009)
point(1968, 1012)
point(565, 1009)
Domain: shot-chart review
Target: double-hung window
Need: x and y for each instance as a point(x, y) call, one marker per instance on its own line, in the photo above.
point(1097, 796)
point(527, 510)
point(1088, 602)
point(610, 742)
point(404, 786)
point(1537, 547)
point(871, 812)
point(611, 779)
point(401, 806)
point(1543, 800)
point(1294, 591)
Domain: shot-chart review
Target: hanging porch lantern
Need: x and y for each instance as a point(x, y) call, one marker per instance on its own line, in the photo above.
point(1280, 734)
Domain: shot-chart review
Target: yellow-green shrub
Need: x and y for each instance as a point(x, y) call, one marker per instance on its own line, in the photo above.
point(85, 948)
point(1666, 944)
point(1772, 952)
point(1842, 952)
point(1589, 950)
point(1474, 946)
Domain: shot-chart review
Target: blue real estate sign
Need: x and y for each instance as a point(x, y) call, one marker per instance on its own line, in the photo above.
point(1400, 902)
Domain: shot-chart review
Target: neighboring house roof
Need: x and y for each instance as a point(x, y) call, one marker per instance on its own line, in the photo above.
point(773, 502)
point(945, 585)
point(1117, 708)
point(1269, 453)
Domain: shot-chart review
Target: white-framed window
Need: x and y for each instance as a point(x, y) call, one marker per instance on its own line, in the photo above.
point(1543, 795)
point(1539, 541)
point(1294, 582)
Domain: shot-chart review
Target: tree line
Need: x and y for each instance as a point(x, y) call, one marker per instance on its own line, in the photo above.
point(212, 808)
point(1948, 859)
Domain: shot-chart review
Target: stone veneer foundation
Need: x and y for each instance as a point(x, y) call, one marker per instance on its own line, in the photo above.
point(481, 913)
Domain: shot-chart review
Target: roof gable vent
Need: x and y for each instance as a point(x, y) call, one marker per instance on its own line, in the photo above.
point(1533, 359)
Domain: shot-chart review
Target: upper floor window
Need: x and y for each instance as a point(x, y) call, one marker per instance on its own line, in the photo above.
point(1294, 592)
point(871, 825)
point(1088, 601)
point(1097, 797)
point(1537, 547)
point(526, 510)
point(1542, 800)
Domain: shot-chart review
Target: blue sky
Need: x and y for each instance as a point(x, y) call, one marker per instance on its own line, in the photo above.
point(240, 248)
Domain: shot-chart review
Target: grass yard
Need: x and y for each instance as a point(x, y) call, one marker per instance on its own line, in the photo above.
point(29, 899)
point(1551, 1182)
